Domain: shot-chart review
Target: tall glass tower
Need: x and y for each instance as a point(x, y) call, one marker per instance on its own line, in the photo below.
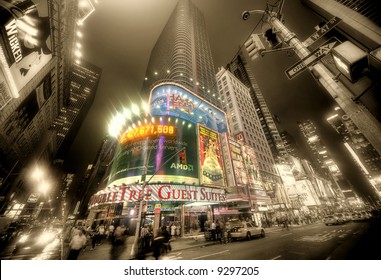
point(182, 54)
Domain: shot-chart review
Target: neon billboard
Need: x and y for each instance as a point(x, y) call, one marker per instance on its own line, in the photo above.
point(211, 162)
point(174, 100)
point(157, 146)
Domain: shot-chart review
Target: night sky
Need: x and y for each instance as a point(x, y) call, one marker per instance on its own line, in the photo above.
point(119, 36)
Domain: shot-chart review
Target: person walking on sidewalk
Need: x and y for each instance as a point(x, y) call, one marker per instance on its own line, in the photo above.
point(158, 244)
point(76, 244)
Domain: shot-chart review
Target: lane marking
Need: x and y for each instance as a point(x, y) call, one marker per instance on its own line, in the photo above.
point(286, 234)
point(277, 257)
point(218, 253)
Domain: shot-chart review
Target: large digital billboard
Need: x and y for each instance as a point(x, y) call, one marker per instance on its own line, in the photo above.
point(174, 100)
point(211, 162)
point(167, 148)
point(25, 38)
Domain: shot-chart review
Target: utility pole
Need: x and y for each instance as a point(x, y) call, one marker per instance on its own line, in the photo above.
point(360, 116)
point(135, 247)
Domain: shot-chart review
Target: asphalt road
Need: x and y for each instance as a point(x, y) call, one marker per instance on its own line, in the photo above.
point(351, 241)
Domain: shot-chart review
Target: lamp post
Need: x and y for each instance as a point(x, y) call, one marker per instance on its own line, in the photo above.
point(135, 247)
point(363, 119)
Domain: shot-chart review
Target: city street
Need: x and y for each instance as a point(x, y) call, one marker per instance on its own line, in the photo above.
point(350, 241)
point(355, 241)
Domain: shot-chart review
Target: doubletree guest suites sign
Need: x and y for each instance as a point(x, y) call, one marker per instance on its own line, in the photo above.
point(173, 193)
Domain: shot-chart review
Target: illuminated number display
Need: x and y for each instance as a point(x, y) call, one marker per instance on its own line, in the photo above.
point(146, 131)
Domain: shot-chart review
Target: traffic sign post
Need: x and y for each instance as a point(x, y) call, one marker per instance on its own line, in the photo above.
point(313, 57)
point(323, 30)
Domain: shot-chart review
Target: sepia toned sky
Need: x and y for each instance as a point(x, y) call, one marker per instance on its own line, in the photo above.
point(119, 36)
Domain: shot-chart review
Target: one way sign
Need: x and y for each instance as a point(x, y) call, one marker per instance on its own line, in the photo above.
point(307, 61)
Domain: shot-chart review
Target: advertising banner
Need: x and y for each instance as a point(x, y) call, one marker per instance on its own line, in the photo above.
point(228, 165)
point(162, 193)
point(252, 167)
point(211, 165)
point(25, 38)
point(166, 149)
point(174, 100)
point(240, 173)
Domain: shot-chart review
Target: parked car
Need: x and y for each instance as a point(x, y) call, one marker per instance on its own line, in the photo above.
point(341, 218)
point(348, 217)
point(243, 229)
point(357, 217)
point(332, 220)
point(366, 215)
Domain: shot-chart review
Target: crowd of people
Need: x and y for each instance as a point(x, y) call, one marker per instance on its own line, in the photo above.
point(81, 238)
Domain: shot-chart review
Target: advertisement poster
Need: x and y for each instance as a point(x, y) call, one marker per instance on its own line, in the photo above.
point(174, 100)
point(25, 38)
point(211, 166)
point(166, 149)
point(240, 173)
point(252, 167)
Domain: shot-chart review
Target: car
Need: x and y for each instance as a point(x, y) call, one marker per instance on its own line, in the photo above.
point(341, 218)
point(243, 229)
point(348, 217)
point(366, 216)
point(38, 242)
point(332, 220)
point(357, 217)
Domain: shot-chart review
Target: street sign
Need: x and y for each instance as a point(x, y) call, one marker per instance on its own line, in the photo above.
point(314, 56)
point(323, 30)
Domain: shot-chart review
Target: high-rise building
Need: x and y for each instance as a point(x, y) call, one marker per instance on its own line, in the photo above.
point(182, 54)
point(290, 144)
point(35, 86)
point(238, 68)
point(245, 126)
point(322, 159)
point(84, 78)
point(362, 152)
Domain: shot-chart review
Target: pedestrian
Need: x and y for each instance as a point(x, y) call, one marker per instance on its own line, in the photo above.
point(77, 243)
point(119, 235)
point(285, 223)
point(111, 229)
point(101, 230)
point(158, 245)
point(167, 239)
point(173, 230)
point(145, 236)
point(213, 230)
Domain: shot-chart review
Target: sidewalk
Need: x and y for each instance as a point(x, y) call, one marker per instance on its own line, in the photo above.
point(106, 251)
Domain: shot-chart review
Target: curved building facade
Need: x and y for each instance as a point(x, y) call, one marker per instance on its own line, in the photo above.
point(170, 158)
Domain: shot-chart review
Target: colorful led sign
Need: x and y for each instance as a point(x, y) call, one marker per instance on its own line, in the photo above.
point(147, 131)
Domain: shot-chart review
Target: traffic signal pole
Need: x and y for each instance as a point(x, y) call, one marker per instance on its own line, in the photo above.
point(360, 116)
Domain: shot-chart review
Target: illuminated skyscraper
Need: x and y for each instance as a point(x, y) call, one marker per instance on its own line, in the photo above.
point(182, 54)
point(238, 68)
point(362, 152)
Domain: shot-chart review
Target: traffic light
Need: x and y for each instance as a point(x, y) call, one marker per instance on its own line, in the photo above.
point(272, 39)
point(183, 157)
point(254, 46)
